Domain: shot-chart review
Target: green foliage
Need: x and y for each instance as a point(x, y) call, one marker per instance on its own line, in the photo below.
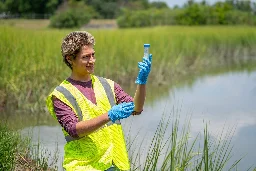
point(144, 18)
point(111, 9)
point(236, 17)
point(52, 5)
point(23, 7)
point(177, 52)
point(18, 153)
point(194, 14)
point(107, 10)
point(159, 5)
point(103, 8)
point(243, 5)
point(174, 149)
point(8, 147)
point(71, 18)
point(2, 7)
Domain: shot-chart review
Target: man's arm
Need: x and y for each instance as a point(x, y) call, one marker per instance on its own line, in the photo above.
point(69, 121)
point(139, 98)
point(117, 112)
point(141, 81)
point(86, 127)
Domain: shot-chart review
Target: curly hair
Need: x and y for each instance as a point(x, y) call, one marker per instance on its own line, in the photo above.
point(73, 42)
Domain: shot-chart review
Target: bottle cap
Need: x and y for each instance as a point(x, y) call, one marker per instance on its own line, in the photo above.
point(146, 45)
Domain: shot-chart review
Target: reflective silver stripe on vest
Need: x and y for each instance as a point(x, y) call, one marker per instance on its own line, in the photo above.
point(69, 138)
point(71, 100)
point(74, 103)
point(108, 90)
point(110, 96)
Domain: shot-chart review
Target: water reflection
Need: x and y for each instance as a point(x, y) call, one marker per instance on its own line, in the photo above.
point(223, 100)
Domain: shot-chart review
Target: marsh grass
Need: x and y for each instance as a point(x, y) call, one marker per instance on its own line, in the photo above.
point(177, 150)
point(31, 66)
point(8, 148)
point(18, 153)
point(31, 63)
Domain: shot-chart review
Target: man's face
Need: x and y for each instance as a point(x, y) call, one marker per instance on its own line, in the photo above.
point(84, 62)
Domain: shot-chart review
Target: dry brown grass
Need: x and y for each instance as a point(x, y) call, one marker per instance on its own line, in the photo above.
point(26, 164)
point(101, 23)
point(25, 23)
point(43, 23)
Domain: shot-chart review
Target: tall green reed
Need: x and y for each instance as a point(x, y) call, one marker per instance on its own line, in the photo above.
point(8, 148)
point(17, 152)
point(31, 63)
point(177, 150)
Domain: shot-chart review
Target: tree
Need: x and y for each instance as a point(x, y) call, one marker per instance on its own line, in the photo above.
point(112, 8)
point(194, 14)
point(22, 7)
point(2, 7)
point(244, 6)
point(159, 5)
point(71, 18)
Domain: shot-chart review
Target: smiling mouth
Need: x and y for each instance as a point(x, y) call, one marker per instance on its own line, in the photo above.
point(90, 67)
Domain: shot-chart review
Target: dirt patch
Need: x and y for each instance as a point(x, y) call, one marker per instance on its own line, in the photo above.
point(44, 23)
point(25, 23)
point(101, 24)
point(23, 163)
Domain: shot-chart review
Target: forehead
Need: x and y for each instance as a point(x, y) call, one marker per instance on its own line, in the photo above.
point(87, 49)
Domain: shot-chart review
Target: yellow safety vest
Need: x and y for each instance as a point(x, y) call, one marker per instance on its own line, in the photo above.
point(100, 149)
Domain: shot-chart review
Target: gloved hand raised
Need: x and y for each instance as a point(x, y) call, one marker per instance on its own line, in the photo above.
point(120, 111)
point(145, 67)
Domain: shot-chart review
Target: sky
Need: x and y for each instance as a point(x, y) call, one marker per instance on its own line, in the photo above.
point(172, 3)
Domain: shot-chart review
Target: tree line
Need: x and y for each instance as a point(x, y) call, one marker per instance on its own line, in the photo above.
point(229, 12)
point(132, 13)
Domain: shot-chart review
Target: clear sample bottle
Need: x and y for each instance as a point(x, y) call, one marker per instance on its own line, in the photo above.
point(146, 50)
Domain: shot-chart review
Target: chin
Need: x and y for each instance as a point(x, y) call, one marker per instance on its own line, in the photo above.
point(90, 71)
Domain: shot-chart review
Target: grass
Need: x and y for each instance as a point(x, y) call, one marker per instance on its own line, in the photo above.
point(8, 147)
point(31, 66)
point(28, 57)
point(177, 150)
point(18, 153)
point(174, 150)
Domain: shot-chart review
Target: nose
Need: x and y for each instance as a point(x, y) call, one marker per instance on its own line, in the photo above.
point(92, 60)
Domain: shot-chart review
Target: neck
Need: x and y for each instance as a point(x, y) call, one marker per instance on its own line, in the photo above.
point(83, 78)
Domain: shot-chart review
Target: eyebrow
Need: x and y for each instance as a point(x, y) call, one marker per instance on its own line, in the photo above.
point(89, 53)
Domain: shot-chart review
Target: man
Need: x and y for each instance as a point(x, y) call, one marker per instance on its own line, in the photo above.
point(89, 108)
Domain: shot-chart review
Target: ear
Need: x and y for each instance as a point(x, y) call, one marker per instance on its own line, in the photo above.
point(69, 59)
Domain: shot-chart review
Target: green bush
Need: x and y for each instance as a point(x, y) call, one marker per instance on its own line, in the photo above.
point(194, 14)
point(239, 17)
point(71, 18)
point(145, 18)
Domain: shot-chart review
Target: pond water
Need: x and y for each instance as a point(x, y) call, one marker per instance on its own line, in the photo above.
point(223, 101)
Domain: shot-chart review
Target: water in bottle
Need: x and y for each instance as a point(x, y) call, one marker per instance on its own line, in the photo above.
point(146, 50)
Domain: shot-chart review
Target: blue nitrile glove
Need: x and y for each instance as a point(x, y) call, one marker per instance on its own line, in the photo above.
point(145, 67)
point(120, 111)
